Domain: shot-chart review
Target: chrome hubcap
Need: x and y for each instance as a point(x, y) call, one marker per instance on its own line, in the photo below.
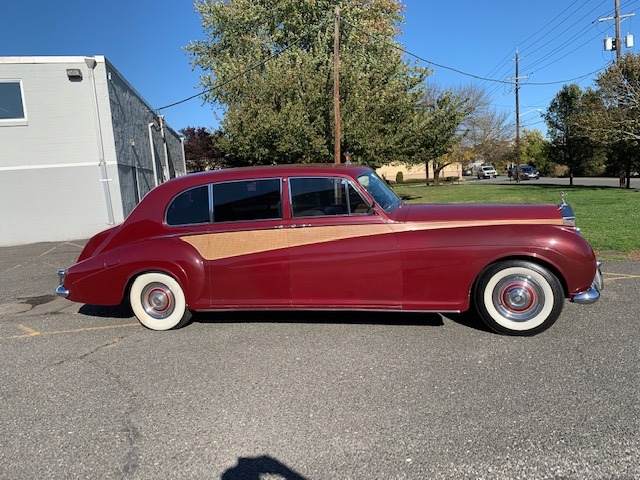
point(518, 298)
point(157, 300)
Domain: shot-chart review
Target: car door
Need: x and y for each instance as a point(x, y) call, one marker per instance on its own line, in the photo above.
point(342, 253)
point(247, 261)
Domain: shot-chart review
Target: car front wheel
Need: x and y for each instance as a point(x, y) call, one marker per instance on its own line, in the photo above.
point(518, 297)
point(158, 301)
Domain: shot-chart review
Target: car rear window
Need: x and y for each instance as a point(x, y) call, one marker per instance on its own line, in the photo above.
point(189, 207)
point(247, 200)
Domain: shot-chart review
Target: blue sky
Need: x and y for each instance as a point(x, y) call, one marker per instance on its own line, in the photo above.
point(557, 40)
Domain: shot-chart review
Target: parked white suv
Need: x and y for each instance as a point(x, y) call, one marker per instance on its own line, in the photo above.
point(486, 171)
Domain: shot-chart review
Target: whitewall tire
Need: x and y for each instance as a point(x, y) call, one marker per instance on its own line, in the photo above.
point(158, 301)
point(518, 297)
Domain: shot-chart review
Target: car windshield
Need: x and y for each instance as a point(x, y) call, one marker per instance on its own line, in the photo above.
point(380, 191)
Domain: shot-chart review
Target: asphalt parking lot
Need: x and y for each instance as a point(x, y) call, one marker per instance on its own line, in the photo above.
point(89, 393)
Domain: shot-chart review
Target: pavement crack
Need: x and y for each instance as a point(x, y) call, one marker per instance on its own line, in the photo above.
point(89, 353)
point(131, 460)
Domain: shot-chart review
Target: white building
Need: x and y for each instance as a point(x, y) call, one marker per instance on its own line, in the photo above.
point(79, 148)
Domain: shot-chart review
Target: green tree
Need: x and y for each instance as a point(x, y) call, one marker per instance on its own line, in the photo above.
point(613, 114)
point(269, 65)
point(201, 150)
point(435, 130)
point(489, 132)
point(569, 145)
point(533, 151)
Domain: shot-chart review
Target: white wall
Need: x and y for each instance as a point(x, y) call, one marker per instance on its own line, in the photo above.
point(50, 181)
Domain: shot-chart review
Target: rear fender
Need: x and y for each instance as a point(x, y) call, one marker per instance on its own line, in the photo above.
point(104, 279)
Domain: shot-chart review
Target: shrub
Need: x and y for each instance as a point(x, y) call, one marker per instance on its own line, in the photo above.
point(399, 177)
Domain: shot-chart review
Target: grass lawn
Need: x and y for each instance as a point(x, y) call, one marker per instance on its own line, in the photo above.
point(609, 218)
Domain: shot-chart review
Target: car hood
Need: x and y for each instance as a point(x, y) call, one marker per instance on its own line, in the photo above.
point(481, 213)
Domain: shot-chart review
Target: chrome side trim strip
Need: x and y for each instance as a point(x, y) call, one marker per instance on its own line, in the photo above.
point(311, 309)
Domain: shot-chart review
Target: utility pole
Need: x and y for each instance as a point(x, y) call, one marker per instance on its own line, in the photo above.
point(624, 178)
point(618, 39)
point(618, 55)
point(336, 84)
point(517, 122)
point(517, 89)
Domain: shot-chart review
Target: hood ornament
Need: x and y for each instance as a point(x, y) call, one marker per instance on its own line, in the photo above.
point(563, 202)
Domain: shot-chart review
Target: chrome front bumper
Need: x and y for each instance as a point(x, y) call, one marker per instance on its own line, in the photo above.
point(592, 295)
point(61, 291)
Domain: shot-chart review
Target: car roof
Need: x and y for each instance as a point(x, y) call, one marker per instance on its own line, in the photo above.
point(184, 182)
point(261, 171)
point(164, 192)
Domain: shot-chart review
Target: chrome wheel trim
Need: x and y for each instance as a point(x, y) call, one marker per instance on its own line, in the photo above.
point(157, 300)
point(505, 303)
point(518, 298)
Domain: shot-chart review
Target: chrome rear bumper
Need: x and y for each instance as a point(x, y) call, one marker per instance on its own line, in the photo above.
point(61, 291)
point(592, 295)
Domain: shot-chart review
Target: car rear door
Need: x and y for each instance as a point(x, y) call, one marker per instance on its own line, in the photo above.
point(247, 261)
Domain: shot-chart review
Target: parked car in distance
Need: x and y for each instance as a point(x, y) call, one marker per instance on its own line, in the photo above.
point(487, 171)
point(526, 172)
point(329, 237)
point(467, 172)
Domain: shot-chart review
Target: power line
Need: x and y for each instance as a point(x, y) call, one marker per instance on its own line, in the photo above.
point(554, 40)
point(566, 30)
point(378, 39)
point(471, 75)
point(524, 42)
point(526, 45)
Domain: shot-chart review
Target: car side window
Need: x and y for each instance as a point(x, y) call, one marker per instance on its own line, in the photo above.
point(189, 207)
point(247, 200)
point(311, 197)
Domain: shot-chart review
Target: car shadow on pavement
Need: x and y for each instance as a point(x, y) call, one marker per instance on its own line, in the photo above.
point(321, 317)
point(468, 319)
point(118, 311)
point(256, 468)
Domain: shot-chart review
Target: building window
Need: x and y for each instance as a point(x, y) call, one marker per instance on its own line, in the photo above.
point(12, 108)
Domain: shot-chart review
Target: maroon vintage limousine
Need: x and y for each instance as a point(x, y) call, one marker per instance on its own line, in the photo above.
point(330, 237)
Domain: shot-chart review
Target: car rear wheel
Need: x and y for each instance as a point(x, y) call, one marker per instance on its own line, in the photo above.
point(158, 301)
point(518, 297)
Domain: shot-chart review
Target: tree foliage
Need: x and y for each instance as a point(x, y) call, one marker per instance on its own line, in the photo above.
point(488, 130)
point(613, 115)
point(435, 130)
point(534, 151)
point(200, 150)
point(619, 92)
point(569, 144)
point(269, 65)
